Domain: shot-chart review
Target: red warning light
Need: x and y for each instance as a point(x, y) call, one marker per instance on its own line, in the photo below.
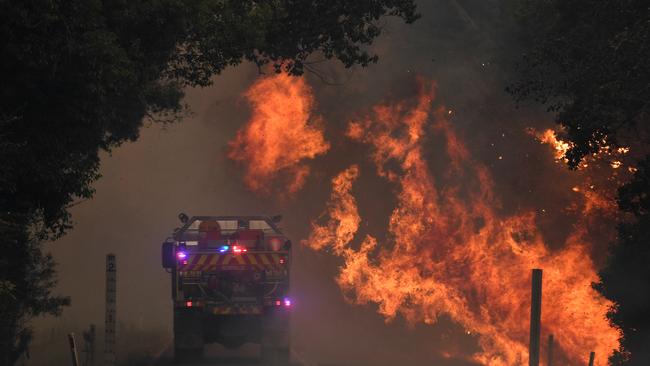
point(239, 249)
point(188, 304)
point(278, 303)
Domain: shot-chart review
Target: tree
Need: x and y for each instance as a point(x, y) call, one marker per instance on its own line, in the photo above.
point(25, 290)
point(587, 61)
point(626, 276)
point(79, 76)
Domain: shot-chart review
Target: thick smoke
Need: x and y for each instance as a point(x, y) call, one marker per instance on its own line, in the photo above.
point(465, 46)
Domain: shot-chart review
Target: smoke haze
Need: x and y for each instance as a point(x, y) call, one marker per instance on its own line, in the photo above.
point(183, 167)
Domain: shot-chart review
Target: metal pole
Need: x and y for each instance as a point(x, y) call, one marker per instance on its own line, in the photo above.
point(592, 355)
point(73, 350)
point(550, 350)
point(109, 332)
point(535, 318)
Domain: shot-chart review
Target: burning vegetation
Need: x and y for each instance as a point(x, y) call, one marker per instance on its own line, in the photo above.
point(613, 156)
point(601, 173)
point(281, 134)
point(450, 250)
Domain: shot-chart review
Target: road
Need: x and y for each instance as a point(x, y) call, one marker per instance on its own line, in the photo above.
point(215, 355)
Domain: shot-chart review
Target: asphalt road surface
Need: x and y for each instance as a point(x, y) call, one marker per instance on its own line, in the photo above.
point(215, 355)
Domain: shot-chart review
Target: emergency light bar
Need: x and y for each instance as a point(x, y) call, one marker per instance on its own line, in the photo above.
point(235, 249)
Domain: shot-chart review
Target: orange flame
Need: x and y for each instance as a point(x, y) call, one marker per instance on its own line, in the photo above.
point(281, 134)
point(560, 147)
point(599, 176)
point(451, 252)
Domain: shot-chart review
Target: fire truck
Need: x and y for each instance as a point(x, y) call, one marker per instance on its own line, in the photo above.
point(230, 285)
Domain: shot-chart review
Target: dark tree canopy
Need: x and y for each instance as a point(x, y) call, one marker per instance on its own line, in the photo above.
point(285, 33)
point(587, 60)
point(79, 76)
point(626, 276)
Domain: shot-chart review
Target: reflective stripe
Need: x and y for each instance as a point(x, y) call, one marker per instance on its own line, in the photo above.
point(202, 259)
point(226, 259)
point(264, 259)
point(214, 261)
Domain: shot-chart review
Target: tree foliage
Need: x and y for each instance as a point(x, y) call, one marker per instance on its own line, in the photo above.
point(79, 76)
point(626, 276)
point(28, 279)
point(587, 60)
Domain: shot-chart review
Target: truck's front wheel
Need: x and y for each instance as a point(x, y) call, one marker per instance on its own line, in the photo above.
point(188, 335)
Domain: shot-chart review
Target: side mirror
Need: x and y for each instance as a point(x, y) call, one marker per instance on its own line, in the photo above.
point(168, 255)
point(183, 217)
point(276, 219)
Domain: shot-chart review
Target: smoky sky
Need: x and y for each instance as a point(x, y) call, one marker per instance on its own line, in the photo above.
point(467, 47)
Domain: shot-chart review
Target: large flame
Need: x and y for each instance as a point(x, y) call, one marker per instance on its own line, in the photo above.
point(450, 250)
point(281, 134)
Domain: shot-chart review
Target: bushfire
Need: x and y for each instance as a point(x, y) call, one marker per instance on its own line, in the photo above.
point(280, 135)
point(450, 251)
point(605, 151)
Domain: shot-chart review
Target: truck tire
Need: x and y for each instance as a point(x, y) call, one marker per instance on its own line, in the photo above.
point(188, 335)
point(187, 355)
point(275, 356)
point(275, 343)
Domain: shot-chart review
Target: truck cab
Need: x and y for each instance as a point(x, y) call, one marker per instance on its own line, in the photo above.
point(230, 285)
